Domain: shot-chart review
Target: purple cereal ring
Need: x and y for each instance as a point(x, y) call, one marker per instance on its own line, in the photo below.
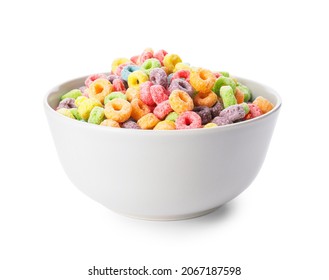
point(112, 77)
point(221, 121)
point(159, 77)
point(233, 113)
point(130, 124)
point(67, 103)
point(181, 85)
point(216, 109)
point(204, 112)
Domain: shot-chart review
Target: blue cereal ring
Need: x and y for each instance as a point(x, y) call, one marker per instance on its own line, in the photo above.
point(127, 70)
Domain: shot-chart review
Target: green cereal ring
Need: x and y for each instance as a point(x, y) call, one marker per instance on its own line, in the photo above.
point(65, 112)
point(245, 107)
point(113, 95)
point(74, 93)
point(86, 106)
point(227, 95)
point(225, 74)
point(172, 116)
point(223, 81)
point(96, 115)
point(75, 113)
point(150, 64)
point(246, 91)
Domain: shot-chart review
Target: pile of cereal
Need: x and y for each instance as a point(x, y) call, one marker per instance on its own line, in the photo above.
point(156, 90)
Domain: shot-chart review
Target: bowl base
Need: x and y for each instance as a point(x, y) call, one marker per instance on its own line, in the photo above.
point(170, 217)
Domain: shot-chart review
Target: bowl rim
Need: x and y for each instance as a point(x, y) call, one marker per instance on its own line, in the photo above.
point(49, 109)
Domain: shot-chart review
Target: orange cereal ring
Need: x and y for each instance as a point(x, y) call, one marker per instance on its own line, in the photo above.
point(139, 109)
point(180, 101)
point(149, 121)
point(202, 80)
point(239, 95)
point(99, 88)
point(263, 104)
point(165, 125)
point(132, 93)
point(118, 110)
point(207, 99)
point(109, 122)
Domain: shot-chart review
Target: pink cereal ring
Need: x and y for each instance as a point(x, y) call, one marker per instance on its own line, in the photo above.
point(181, 74)
point(145, 93)
point(158, 94)
point(162, 109)
point(159, 55)
point(188, 120)
point(135, 59)
point(145, 55)
point(94, 77)
point(118, 85)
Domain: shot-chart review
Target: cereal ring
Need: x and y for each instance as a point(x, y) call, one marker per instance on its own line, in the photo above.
point(150, 64)
point(227, 95)
point(112, 77)
point(254, 112)
point(99, 88)
point(219, 121)
point(210, 125)
point(159, 55)
point(158, 94)
point(170, 61)
point(117, 62)
point(110, 123)
point(127, 70)
point(139, 109)
point(132, 93)
point(96, 115)
point(263, 104)
point(79, 100)
point(172, 116)
point(233, 113)
point(223, 81)
point(159, 77)
point(65, 112)
point(182, 66)
point(136, 78)
point(75, 113)
point(188, 120)
point(162, 110)
point(182, 74)
point(94, 77)
point(113, 95)
point(74, 93)
point(146, 54)
point(135, 59)
point(181, 84)
point(121, 67)
point(204, 113)
point(130, 124)
point(245, 90)
point(245, 107)
point(86, 106)
point(118, 110)
point(239, 95)
point(202, 80)
point(180, 101)
point(216, 109)
point(149, 121)
point(118, 85)
point(165, 125)
point(145, 93)
point(67, 103)
point(205, 99)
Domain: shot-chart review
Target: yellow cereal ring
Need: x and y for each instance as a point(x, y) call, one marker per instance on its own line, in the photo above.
point(65, 112)
point(132, 93)
point(263, 104)
point(202, 80)
point(86, 106)
point(210, 125)
point(208, 99)
point(109, 122)
point(118, 110)
point(117, 62)
point(79, 100)
point(99, 89)
point(139, 109)
point(181, 66)
point(165, 125)
point(149, 121)
point(136, 78)
point(170, 61)
point(180, 101)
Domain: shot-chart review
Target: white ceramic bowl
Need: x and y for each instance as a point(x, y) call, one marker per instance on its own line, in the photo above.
point(162, 175)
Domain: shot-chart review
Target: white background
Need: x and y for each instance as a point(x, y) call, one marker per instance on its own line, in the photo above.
point(276, 229)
